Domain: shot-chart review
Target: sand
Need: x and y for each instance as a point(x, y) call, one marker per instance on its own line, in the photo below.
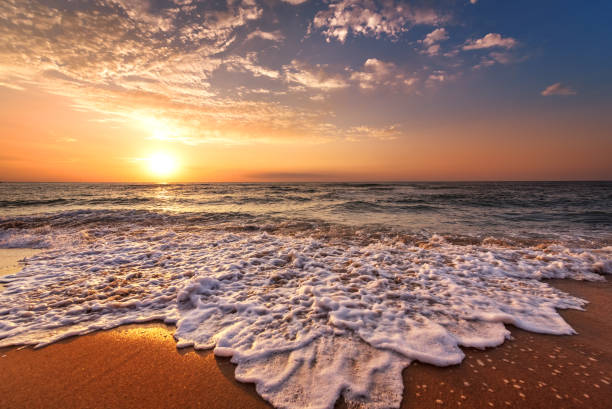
point(531, 370)
point(138, 366)
point(130, 367)
point(11, 260)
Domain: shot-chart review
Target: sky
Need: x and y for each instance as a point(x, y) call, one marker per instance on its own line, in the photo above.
point(305, 90)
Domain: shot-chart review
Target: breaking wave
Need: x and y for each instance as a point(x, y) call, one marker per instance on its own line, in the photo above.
point(329, 316)
point(315, 291)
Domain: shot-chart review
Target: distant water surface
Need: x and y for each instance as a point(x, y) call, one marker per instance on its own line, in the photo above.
point(527, 210)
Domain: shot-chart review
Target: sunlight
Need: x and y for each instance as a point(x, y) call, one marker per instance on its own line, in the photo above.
point(158, 129)
point(162, 164)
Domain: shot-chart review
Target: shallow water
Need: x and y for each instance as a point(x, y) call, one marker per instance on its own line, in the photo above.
point(334, 288)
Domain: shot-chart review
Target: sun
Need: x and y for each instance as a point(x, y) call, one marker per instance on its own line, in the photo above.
point(162, 164)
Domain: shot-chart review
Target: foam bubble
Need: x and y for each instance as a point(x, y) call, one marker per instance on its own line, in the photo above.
point(326, 318)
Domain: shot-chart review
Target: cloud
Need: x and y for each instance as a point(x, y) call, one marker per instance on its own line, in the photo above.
point(163, 66)
point(502, 57)
point(438, 77)
point(249, 63)
point(558, 89)
point(369, 18)
point(275, 36)
point(357, 133)
point(494, 58)
point(123, 68)
point(431, 41)
point(316, 77)
point(490, 40)
point(432, 50)
point(499, 57)
point(14, 87)
point(376, 73)
point(295, 2)
point(108, 44)
point(318, 97)
point(439, 34)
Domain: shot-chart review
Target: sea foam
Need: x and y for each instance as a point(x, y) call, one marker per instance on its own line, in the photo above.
point(307, 320)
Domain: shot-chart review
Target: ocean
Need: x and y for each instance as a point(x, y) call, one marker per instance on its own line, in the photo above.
point(313, 289)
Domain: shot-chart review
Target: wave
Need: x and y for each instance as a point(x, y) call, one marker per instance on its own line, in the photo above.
point(591, 217)
point(383, 206)
point(285, 198)
point(109, 217)
point(76, 201)
point(38, 202)
point(291, 309)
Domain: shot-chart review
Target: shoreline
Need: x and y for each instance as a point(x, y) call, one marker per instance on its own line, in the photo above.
point(11, 260)
point(530, 370)
point(138, 365)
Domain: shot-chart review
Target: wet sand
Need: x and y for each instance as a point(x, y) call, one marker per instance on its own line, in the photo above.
point(11, 260)
point(531, 370)
point(138, 366)
point(130, 367)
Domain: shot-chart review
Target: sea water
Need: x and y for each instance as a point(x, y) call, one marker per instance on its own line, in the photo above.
point(314, 290)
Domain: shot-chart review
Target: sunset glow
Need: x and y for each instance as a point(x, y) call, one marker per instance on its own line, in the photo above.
point(305, 90)
point(336, 199)
point(162, 164)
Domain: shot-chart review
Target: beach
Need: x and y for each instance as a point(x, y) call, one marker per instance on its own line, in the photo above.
point(531, 370)
point(293, 204)
point(139, 366)
point(353, 295)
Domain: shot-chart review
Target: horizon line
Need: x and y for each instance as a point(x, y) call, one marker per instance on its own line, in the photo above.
point(321, 181)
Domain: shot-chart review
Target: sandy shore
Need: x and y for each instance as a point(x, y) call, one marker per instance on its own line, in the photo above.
point(11, 260)
point(140, 367)
point(532, 370)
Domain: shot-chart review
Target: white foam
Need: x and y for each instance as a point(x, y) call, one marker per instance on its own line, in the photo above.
point(305, 320)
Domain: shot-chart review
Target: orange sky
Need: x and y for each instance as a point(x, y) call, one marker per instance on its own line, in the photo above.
point(64, 144)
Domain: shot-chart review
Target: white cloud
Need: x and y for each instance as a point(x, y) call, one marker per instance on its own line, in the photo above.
point(558, 89)
point(431, 41)
point(497, 57)
point(250, 64)
point(432, 49)
point(438, 77)
point(439, 34)
point(122, 68)
point(368, 18)
point(114, 44)
point(376, 73)
point(490, 40)
point(357, 133)
point(316, 77)
point(14, 87)
point(275, 36)
point(126, 59)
